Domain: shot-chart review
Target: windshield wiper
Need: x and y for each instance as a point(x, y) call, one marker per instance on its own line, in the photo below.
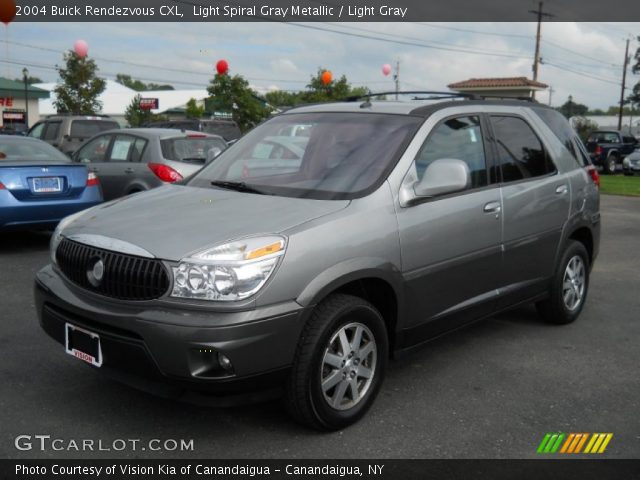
point(237, 186)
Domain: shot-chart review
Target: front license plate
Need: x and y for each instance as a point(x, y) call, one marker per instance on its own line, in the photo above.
point(47, 185)
point(83, 344)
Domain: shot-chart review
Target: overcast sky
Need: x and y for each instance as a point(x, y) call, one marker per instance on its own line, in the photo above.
point(284, 56)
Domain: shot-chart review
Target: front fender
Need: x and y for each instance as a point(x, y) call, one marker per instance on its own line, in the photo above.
point(348, 271)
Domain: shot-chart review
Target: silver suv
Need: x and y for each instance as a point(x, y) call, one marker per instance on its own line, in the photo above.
point(302, 267)
point(68, 132)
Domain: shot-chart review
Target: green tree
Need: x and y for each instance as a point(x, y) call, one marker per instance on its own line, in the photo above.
point(280, 98)
point(583, 127)
point(634, 98)
point(135, 115)
point(30, 80)
point(572, 109)
point(139, 86)
point(79, 87)
point(193, 110)
point(232, 94)
point(336, 90)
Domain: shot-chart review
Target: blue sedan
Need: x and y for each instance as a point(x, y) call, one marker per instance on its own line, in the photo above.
point(39, 185)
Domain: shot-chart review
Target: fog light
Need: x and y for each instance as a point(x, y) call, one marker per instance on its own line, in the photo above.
point(224, 362)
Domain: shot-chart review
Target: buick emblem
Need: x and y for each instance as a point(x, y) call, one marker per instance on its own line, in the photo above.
point(96, 273)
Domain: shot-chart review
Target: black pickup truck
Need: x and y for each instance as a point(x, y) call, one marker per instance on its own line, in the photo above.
point(609, 147)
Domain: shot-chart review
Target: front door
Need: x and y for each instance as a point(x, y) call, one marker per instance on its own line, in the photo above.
point(451, 252)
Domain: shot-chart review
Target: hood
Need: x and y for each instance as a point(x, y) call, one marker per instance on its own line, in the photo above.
point(171, 222)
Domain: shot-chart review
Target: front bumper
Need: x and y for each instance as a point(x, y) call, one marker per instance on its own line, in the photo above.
point(157, 346)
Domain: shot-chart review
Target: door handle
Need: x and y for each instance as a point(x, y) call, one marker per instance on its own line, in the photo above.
point(492, 207)
point(562, 189)
point(128, 170)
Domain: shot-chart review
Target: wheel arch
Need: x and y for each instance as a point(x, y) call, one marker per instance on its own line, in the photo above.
point(380, 285)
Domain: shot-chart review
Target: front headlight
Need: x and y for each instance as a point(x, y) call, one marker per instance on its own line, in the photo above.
point(233, 271)
point(56, 238)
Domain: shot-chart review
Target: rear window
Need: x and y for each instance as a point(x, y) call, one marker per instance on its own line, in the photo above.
point(18, 150)
point(88, 128)
point(604, 137)
point(192, 149)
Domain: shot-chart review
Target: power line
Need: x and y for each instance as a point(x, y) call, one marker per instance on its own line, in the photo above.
point(457, 29)
point(580, 54)
point(583, 74)
point(402, 42)
point(405, 37)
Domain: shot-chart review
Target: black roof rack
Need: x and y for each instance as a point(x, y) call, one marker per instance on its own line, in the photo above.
point(506, 97)
point(355, 98)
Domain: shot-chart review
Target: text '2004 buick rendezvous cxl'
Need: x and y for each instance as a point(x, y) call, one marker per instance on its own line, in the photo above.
point(325, 241)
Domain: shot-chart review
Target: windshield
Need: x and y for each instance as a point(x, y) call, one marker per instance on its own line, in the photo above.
point(192, 149)
point(344, 156)
point(25, 150)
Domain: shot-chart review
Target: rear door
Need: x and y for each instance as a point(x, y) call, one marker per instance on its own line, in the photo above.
point(51, 133)
point(451, 253)
point(536, 201)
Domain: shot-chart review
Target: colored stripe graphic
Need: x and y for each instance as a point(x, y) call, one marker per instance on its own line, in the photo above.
point(598, 442)
point(573, 443)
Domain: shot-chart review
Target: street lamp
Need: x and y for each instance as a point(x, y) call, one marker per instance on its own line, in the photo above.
point(25, 76)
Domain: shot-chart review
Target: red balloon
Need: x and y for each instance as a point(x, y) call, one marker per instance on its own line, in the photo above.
point(8, 11)
point(222, 67)
point(326, 77)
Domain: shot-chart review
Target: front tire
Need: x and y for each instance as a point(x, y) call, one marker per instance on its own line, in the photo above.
point(339, 365)
point(610, 165)
point(569, 287)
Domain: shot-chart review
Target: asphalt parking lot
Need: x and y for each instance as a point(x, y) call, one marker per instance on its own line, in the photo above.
point(490, 391)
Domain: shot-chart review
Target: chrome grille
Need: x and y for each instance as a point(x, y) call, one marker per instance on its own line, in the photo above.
point(126, 277)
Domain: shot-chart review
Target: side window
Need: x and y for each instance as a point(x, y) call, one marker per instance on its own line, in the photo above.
point(51, 132)
point(95, 151)
point(138, 149)
point(559, 125)
point(521, 154)
point(37, 130)
point(459, 138)
point(122, 148)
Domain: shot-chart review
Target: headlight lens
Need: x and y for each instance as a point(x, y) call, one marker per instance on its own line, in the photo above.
point(56, 238)
point(233, 271)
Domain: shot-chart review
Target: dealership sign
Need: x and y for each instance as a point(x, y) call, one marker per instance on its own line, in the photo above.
point(6, 101)
point(149, 103)
point(13, 115)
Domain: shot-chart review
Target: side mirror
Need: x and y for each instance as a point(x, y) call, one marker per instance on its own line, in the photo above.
point(446, 175)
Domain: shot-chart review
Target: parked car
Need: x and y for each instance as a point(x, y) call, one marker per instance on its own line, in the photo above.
point(13, 129)
point(68, 132)
point(227, 129)
point(401, 222)
point(39, 185)
point(137, 159)
point(608, 148)
point(631, 164)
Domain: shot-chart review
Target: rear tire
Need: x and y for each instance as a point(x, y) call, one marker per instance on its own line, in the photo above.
point(569, 286)
point(339, 364)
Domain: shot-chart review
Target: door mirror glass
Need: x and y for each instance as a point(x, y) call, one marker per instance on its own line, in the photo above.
point(446, 175)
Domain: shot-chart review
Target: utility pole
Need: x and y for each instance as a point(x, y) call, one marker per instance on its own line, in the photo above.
point(624, 81)
point(550, 94)
point(536, 59)
point(396, 78)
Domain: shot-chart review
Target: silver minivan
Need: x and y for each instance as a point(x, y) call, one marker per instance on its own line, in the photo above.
point(299, 268)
